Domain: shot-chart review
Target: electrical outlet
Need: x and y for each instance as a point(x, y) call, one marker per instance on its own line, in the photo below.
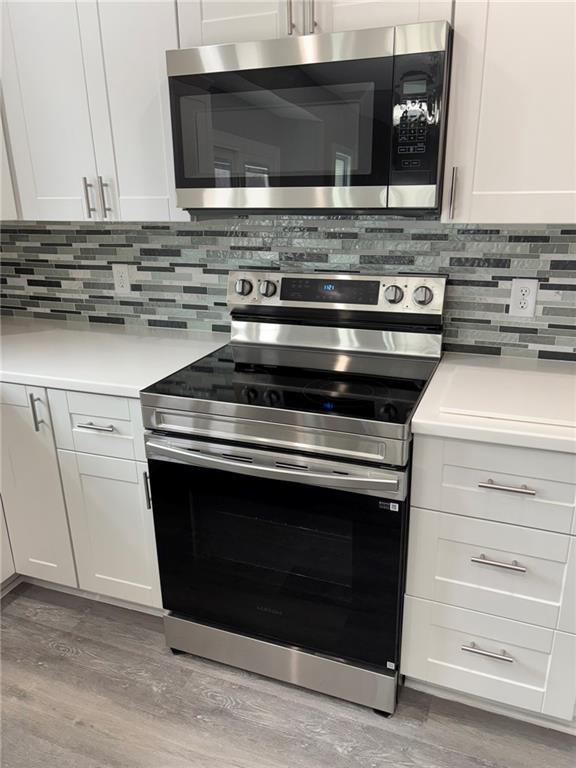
point(523, 297)
point(121, 274)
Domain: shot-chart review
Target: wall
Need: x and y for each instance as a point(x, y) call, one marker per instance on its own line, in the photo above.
point(62, 270)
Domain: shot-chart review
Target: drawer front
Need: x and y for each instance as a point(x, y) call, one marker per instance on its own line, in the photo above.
point(98, 424)
point(521, 486)
point(510, 571)
point(13, 394)
point(506, 661)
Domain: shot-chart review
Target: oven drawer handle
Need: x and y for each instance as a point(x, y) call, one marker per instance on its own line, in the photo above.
point(258, 470)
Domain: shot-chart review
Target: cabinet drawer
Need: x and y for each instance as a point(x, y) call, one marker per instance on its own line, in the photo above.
point(507, 484)
point(98, 424)
point(436, 635)
point(510, 571)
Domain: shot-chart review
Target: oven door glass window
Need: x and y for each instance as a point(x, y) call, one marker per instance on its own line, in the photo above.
point(296, 564)
point(317, 124)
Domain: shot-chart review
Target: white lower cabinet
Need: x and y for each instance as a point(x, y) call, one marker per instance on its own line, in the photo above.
point(31, 488)
point(498, 659)
point(7, 568)
point(490, 606)
point(112, 526)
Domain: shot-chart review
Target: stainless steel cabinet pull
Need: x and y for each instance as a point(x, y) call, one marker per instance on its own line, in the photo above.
point(310, 20)
point(96, 427)
point(503, 656)
point(105, 208)
point(523, 489)
point(452, 203)
point(35, 420)
point(290, 18)
point(513, 566)
point(89, 209)
point(147, 490)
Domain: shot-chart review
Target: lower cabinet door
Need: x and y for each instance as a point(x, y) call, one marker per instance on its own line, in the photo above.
point(7, 563)
point(112, 526)
point(31, 489)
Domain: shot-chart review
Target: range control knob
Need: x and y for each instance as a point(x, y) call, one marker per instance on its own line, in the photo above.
point(422, 295)
point(243, 287)
point(393, 294)
point(272, 397)
point(267, 288)
point(250, 394)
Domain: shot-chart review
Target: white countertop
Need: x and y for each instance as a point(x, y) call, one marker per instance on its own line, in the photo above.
point(505, 400)
point(105, 359)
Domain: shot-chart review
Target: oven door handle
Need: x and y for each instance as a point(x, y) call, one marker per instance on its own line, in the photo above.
point(330, 479)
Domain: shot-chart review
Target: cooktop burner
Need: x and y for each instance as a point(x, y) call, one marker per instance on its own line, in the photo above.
point(230, 375)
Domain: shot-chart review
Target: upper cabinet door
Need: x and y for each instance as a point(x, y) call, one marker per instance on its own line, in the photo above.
point(48, 119)
point(342, 15)
point(125, 48)
point(513, 112)
point(207, 22)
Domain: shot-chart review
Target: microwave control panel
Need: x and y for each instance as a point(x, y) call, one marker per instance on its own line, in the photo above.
point(419, 107)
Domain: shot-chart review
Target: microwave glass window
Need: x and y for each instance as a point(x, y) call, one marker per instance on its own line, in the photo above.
point(292, 131)
point(325, 124)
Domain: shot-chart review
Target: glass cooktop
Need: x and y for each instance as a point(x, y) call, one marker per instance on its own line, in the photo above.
point(233, 375)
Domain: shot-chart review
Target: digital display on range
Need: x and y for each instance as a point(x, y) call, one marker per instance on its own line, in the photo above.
point(333, 291)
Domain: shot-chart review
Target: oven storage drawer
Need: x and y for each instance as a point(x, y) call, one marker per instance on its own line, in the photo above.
point(100, 424)
point(510, 571)
point(498, 659)
point(508, 484)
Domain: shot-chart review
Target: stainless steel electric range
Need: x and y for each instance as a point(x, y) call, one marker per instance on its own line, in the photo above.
point(279, 472)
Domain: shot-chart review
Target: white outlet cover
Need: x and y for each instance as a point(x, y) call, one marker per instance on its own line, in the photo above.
point(523, 297)
point(121, 275)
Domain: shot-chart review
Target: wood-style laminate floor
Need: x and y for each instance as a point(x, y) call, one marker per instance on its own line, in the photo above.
point(88, 685)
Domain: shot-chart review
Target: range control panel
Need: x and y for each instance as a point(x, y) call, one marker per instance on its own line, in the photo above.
point(422, 294)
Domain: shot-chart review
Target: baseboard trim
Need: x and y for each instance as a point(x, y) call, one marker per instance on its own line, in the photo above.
point(9, 584)
point(489, 706)
point(15, 581)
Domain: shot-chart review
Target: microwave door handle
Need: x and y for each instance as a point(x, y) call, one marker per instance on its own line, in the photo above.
point(343, 482)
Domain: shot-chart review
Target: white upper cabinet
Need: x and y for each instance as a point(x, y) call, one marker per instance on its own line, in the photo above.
point(87, 97)
point(47, 110)
point(8, 207)
point(341, 15)
point(513, 112)
point(30, 486)
point(125, 46)
point(207, 22)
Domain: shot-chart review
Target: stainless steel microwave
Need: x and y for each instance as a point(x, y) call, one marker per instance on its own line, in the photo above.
point(349, 120)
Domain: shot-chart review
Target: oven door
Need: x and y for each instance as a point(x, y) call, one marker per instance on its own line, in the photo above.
point(303, 552)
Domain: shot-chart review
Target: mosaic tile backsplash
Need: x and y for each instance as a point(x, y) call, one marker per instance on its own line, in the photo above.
point(179, 271)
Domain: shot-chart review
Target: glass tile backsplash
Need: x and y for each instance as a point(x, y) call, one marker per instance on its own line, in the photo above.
point(178, 271)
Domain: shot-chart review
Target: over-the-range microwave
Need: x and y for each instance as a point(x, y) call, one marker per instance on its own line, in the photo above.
point(349, 120)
